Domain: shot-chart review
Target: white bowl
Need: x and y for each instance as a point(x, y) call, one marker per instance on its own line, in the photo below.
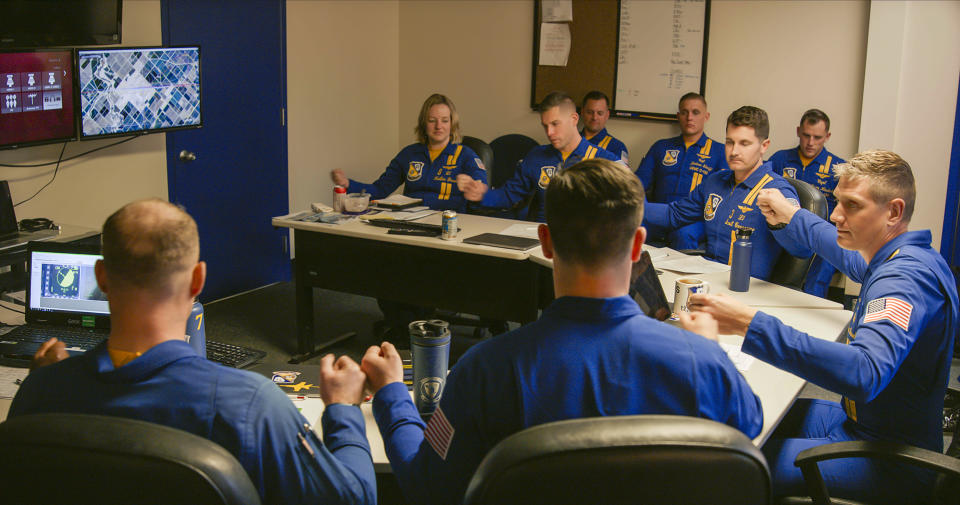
point(356, 202)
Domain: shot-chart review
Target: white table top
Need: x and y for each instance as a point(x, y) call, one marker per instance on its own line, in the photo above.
point(470, 225)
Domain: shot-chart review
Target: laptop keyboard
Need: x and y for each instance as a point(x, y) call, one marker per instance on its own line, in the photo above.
point(74, 339)
point(233, 355)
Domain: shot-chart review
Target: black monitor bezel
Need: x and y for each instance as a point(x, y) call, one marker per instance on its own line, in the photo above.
point(73, 89)
point(94, 39)
point(79, 115)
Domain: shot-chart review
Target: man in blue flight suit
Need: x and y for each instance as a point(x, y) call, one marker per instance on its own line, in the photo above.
point(727, 199)
point(429, 168)
point(145, 370)
point(592, 353)
point(812, 163)
point(893, 360)
point(674, 167)
point(595, 110)
point(558, 114)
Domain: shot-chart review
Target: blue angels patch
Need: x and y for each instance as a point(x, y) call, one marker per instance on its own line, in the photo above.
point(415, 171)
point(545, 174)
point(790, 172)
point(670, 157)
point(480, 163)
point(711, 205)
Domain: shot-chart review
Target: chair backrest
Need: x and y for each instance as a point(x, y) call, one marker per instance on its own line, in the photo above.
point(791, 271)
point(507, 151)
point(623, 459)
point(483, 150)
point(78, 458)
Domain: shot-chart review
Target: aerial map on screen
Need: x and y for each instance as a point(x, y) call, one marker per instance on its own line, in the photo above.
point(138, 90)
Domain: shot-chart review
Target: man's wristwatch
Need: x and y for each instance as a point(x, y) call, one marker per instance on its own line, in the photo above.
point(775, 227)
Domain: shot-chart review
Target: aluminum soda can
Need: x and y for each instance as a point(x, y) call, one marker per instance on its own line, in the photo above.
point(196, 334)
point(430, 350)
point(449, 225)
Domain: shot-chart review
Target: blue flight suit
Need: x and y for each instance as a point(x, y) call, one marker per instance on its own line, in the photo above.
point(608, 142)
point(242, 411)
point(585, 357)
point(670, 171)
point(819, 174)
point(433, 181)
point(891, 364)
point(534, 173)
point(723, 206)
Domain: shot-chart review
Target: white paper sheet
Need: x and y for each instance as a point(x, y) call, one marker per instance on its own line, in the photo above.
point(556, 11)
point(399, 215)
point(740, 360)
point(656, 252)
point(554, 44)
point(398, 199)
point(8, 380)
point(521, 230)
point(691, 265)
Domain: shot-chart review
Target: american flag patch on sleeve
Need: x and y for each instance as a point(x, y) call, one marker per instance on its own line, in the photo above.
point(892, 309)
point(439, 433)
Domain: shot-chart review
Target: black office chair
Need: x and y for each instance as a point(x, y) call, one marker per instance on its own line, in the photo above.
point(623, 459)
point(78, 458)
point(507, 151)
point(789, 270)
point(483, 150)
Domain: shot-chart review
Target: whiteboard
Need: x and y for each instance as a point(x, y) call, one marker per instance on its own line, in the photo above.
point(660, 55)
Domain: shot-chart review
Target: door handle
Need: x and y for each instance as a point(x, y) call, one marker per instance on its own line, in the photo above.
point(186, 156)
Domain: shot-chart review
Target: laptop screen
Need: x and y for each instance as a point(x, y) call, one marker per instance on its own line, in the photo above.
point(65, 282)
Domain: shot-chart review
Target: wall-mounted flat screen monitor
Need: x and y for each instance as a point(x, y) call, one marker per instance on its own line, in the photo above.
point(36, 97)
point(126, 91)
point(46, 23)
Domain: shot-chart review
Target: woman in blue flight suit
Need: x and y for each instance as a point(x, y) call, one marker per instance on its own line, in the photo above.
point(428, 169)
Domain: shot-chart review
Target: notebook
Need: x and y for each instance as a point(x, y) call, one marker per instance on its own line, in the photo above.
point(62, 300)
point(505, 241)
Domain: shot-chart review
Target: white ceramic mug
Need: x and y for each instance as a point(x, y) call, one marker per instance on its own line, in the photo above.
point(685, 287)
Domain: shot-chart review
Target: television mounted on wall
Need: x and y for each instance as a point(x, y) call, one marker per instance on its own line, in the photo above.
point(36, 97)
point(58, 23)
point(136, 90)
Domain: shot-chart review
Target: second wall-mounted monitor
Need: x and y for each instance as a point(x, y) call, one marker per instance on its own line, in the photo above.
point(126, 91)
point(36, 97)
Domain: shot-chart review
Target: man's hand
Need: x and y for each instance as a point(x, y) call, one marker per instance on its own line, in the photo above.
point(701, 323)
point(732, 316)
point(341, 381)
point(383, 366)
point(339, 178)
point(49, 353)
point(775, 207)
point(471, 188)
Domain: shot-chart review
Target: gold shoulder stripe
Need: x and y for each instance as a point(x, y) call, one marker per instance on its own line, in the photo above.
point(591, 152)
point(892, 255)
point(605, 142)
point(455, 155)
point(752, 195)
point(706, 147)
point(826, 166)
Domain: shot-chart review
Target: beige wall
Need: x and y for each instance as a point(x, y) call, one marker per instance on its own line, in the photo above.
point(88, 189)
point(487, 72)
point(342, 93)
point(910, 95)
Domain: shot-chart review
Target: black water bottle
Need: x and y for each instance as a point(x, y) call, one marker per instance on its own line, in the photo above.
point(740, 263)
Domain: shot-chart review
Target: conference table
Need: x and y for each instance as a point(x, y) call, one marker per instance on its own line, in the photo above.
point(519, 285)
point(509, 285)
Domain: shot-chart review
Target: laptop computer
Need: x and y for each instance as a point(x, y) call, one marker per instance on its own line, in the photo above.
point(646, 289)
point(62, 300)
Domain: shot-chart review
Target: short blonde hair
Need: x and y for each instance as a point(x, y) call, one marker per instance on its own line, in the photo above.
point(890, 177)
point(421, 128)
